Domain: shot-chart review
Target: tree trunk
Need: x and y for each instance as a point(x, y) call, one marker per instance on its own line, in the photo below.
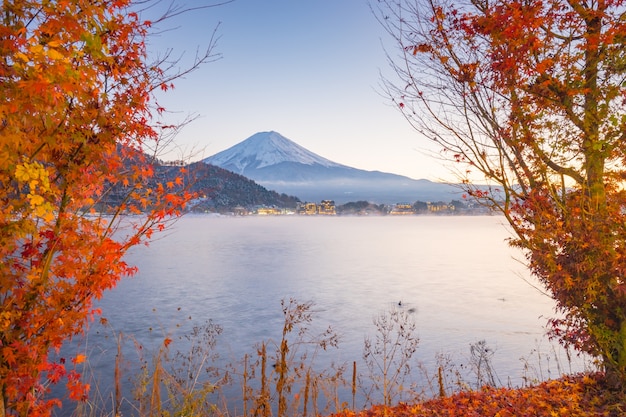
point(2, 402)
point(614, 378)
point(617, 374)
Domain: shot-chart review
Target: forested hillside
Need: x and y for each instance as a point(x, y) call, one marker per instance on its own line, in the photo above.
point(221, 190)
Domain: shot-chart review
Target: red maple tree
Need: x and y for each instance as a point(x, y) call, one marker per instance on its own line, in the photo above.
point(77, 116)
point(529, 95)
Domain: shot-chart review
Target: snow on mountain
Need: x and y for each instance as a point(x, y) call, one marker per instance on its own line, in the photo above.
point(265, 149)
point(280, 164)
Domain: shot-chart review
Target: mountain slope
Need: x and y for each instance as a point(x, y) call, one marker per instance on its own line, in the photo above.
point(218, 189)
point(221, 190)
point(280, 164)
point(266, 149)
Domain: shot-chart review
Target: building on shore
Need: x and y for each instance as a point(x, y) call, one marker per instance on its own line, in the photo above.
point(402, 209)
point(440, 206)
point(269, 211)
point(307, 209)
point(325, 208)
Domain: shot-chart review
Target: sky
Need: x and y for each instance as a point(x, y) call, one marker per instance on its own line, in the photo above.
point(307, 69)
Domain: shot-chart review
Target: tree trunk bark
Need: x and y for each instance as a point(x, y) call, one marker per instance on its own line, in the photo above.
point(2, 402)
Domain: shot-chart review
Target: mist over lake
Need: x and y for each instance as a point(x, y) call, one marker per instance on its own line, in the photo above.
point(455, 275)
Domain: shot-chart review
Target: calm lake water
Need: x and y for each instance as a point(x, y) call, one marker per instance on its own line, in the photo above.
point(457, 276)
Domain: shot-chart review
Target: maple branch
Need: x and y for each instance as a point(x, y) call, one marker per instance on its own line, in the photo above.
point(174, 9)
point(167, 74)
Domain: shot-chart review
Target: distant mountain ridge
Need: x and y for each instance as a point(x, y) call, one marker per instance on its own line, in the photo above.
point(279, 164)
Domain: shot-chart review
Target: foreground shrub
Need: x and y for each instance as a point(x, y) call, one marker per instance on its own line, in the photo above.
point(576, 395)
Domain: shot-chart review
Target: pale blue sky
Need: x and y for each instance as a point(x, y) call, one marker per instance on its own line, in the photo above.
point(308, 69)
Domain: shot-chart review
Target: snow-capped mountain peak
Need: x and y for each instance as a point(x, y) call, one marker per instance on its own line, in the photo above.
point(280, 164)
point(265, 149)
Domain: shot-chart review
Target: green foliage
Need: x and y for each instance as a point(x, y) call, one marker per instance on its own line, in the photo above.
point(360, 207)
point(420, 206)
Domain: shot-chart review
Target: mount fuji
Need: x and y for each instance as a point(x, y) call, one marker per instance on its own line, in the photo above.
point(280, 164)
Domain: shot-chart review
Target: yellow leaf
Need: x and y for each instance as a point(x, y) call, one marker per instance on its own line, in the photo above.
point(21, 174)
point(36, 49)
point(54, 54)
point(35, 200)
point(54, 43)
point(21, 56)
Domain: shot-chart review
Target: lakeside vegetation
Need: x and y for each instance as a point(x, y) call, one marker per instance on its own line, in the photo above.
point(292, 376)
point(583, 395)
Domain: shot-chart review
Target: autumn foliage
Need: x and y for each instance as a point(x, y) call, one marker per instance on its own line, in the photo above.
point(579, 396)
point(529, 98)
point(76, 121)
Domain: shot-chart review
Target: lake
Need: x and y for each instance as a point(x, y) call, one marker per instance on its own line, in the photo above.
point(455, 276)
